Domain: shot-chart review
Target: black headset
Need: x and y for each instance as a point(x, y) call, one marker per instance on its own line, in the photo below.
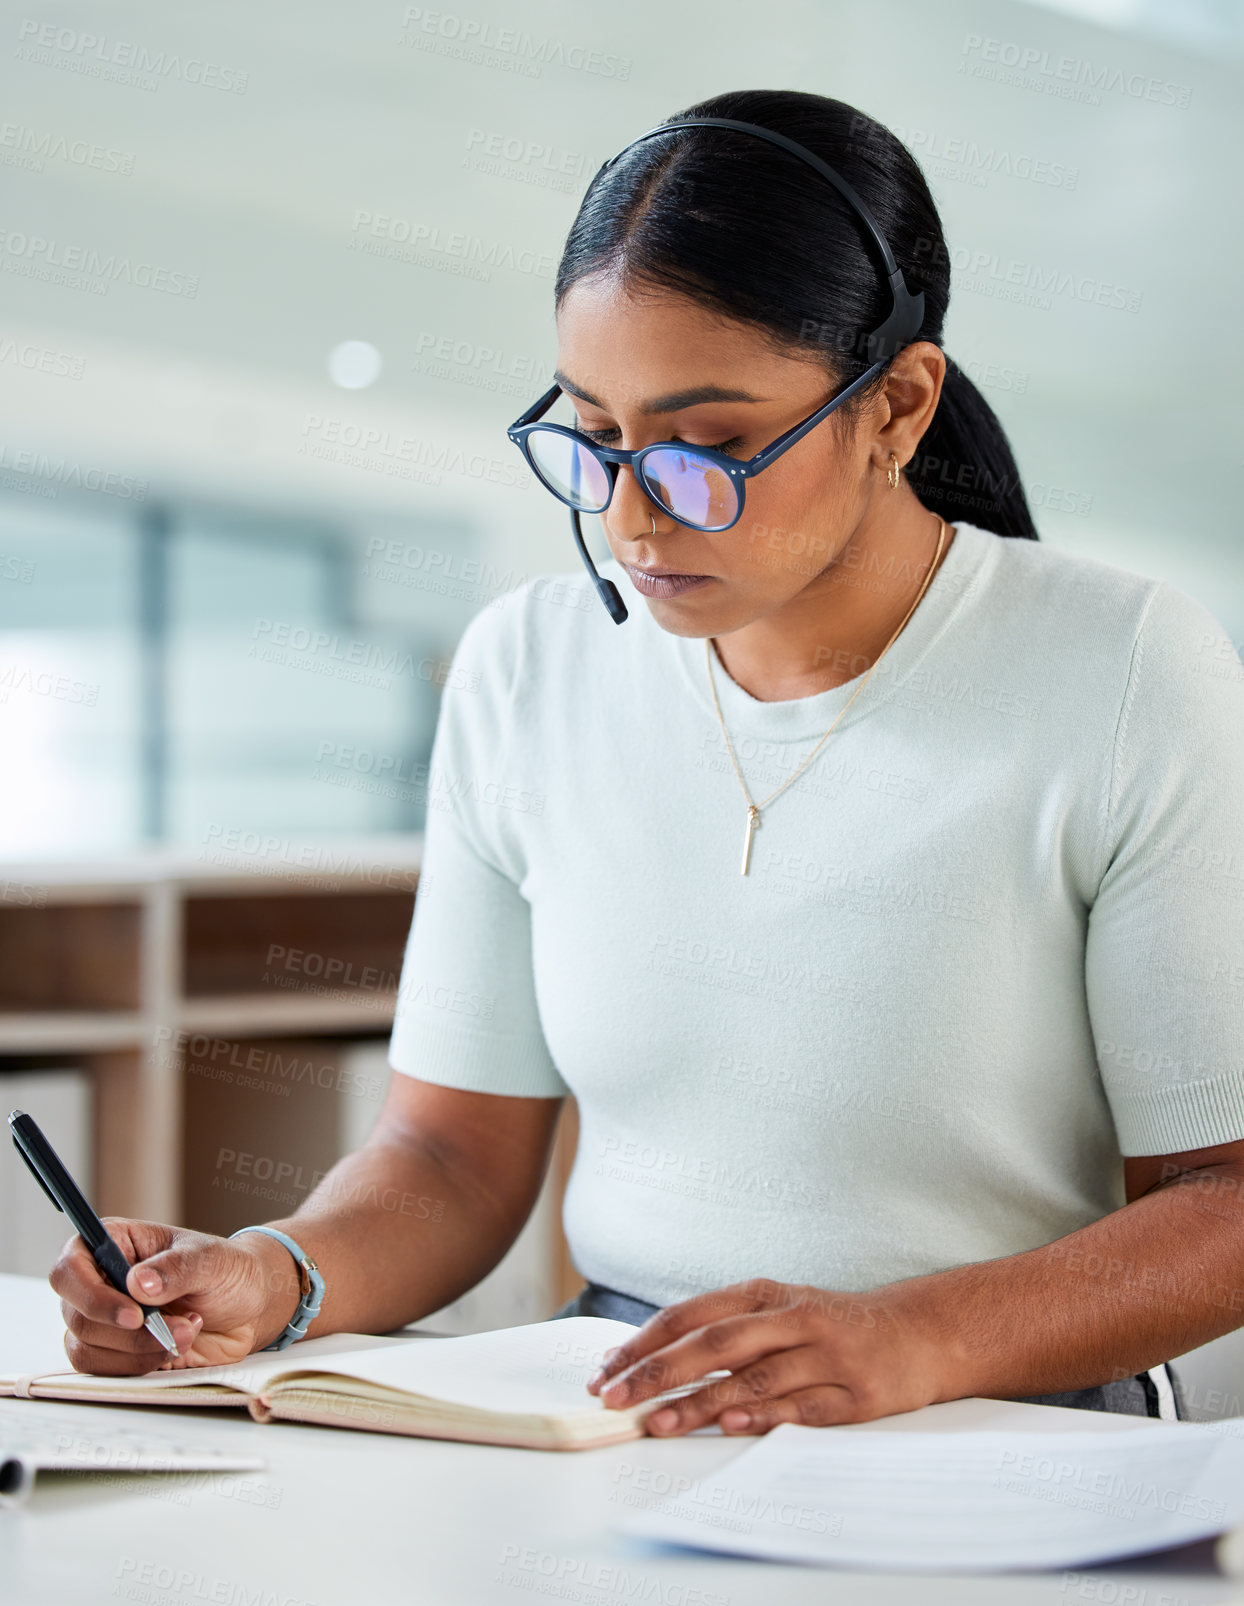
point(898, 329)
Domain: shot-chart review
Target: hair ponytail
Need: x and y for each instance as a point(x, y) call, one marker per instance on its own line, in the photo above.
point(737, 226)
point(963, 467)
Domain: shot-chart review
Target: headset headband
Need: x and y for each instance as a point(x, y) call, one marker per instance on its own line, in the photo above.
point(907, 311)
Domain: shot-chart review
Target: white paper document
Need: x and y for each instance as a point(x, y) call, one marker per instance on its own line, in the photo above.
point(28, 1446)
point(957, 1502)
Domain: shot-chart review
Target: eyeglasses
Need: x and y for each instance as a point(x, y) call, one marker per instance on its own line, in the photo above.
point(696, 485)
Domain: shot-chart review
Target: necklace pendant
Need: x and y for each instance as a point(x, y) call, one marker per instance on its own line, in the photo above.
point(753, 819)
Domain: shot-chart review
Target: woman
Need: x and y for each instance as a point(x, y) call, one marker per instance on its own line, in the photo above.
point(875, 889)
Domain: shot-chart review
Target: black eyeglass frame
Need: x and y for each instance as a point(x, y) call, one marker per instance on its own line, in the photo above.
point(612, 458)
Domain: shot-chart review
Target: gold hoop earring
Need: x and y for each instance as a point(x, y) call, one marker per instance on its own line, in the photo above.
point(892, 474)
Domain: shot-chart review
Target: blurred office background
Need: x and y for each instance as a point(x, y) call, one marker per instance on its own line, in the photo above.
point(273, 281)
point(227, 198)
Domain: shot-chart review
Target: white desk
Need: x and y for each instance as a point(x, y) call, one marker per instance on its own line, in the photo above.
point(368, 1519)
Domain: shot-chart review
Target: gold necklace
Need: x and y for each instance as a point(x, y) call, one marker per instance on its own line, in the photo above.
point(753, 809)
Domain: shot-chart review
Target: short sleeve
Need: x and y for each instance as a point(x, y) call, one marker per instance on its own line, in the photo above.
point(1164, 959)
point(466, 1012)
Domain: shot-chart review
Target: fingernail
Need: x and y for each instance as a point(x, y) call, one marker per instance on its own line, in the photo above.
point(596, 1378)
point(129, 1316)
point(196, 1320)
point(664, 1418)
point(149, 1281)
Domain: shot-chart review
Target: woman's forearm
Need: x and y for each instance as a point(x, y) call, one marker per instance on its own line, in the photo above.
point(1148, 1282)
point(396, 1234)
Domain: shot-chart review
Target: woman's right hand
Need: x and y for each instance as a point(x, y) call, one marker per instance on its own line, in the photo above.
point(222, 1298)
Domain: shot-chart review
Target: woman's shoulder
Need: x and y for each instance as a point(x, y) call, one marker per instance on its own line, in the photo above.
point(1097, 601)
point(552, 620)
point(1043, 572)
point(1132, 640)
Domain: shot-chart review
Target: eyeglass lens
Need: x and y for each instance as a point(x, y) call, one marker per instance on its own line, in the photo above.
point(569, 471)
point(694, 489)
point(691, 487)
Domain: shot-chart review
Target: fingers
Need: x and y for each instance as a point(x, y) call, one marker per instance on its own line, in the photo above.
point(752, 1398)
point(165, 1262)
point(179, 1267)
point(104, 1331)
point(108, 1351)
point(674, 1321)
point(821, 1406)
point(140, 1239)
point(729, 1343)
point(113, 1352)
point(83, 1287)
point(104, 1361)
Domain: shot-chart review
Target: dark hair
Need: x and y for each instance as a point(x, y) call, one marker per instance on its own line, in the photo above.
point(743, 229)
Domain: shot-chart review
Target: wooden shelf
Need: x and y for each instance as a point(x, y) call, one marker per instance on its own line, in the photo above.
point(210, 996)
point(388, 860)
point(69, 1031)
point(71, 956)
point(122, 964)
point(253, 1014)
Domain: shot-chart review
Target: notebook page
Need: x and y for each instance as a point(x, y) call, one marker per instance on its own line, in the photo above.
point(540, 1368)
point(248, 1374)
point(977, 1501)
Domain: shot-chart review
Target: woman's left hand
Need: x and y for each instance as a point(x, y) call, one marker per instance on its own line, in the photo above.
point(795, 1354)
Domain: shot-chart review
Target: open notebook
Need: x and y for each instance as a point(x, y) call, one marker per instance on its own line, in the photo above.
point(523, 1386)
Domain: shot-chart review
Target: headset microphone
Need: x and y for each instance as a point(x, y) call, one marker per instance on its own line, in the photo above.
point(605, 589)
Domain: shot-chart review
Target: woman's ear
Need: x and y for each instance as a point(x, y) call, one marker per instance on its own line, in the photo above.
point(913, 389)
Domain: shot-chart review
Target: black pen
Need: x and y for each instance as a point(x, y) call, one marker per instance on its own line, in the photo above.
point(65, 1194)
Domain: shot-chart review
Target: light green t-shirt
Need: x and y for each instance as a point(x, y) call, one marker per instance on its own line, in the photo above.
point(991, 940)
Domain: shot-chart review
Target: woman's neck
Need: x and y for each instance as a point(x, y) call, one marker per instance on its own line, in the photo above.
point(838, 626)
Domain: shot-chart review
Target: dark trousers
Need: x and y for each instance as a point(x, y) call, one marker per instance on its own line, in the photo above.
point(1134, 1396)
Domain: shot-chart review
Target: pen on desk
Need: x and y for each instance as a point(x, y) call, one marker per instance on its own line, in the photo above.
point(50, 1173)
